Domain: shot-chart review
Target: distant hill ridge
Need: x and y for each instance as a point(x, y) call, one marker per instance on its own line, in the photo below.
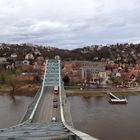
point(92, 53)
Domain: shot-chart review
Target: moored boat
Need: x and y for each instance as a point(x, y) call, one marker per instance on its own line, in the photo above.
point(115, 99)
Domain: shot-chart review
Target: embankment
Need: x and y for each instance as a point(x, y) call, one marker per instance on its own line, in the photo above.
point(103, 92)
point(23, 91)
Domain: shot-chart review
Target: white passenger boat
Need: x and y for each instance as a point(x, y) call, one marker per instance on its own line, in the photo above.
point(115, 99)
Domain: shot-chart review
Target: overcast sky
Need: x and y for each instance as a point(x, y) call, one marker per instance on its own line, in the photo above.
point(69, 23)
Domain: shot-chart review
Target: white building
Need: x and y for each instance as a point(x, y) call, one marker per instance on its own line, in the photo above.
point(26, 62)
point(93, 73)
point(29, 56)
point(13, 55)
point(3, 60)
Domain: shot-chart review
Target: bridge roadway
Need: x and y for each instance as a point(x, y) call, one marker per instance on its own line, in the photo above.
point(46, 110)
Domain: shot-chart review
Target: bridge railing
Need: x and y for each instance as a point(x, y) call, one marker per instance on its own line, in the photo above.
point(79, 135)
point(33, 106)
point(39, 97)
point(30, 107)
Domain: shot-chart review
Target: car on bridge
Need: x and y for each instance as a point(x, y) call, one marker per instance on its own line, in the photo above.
point(56, 91)
point(55, 105)
point(54, 119)
point(55, 100)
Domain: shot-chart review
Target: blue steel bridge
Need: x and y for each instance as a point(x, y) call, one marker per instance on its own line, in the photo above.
point(37, 123)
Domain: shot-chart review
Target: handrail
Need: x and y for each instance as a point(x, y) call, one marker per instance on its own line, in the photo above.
point(79, 134)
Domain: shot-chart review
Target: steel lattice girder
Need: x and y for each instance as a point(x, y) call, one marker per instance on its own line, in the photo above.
point(51, 84)
point(52, 73)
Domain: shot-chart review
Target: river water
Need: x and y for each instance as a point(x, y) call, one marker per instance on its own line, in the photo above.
point(93, 115)
point(97, 117)
point(11, 111)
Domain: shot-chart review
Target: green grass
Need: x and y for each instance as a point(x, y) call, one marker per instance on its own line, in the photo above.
point(101, 93)
point(4, 87)
point(7, 75)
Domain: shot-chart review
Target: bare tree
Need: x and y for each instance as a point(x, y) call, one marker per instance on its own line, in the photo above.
point(15, 84)
point(88, 79)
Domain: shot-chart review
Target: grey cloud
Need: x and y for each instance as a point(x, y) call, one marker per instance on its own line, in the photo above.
point(68, 24)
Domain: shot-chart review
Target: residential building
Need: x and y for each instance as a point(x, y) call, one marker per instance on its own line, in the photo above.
point(3, 60)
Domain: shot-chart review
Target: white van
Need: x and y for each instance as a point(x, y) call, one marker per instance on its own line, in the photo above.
point(54, 119)
point(56, 90)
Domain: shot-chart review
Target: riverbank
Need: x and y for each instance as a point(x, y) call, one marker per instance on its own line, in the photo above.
point(26, 90)
point(103, 92)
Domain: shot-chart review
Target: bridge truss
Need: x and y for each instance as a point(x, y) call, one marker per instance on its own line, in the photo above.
point(27, 130)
